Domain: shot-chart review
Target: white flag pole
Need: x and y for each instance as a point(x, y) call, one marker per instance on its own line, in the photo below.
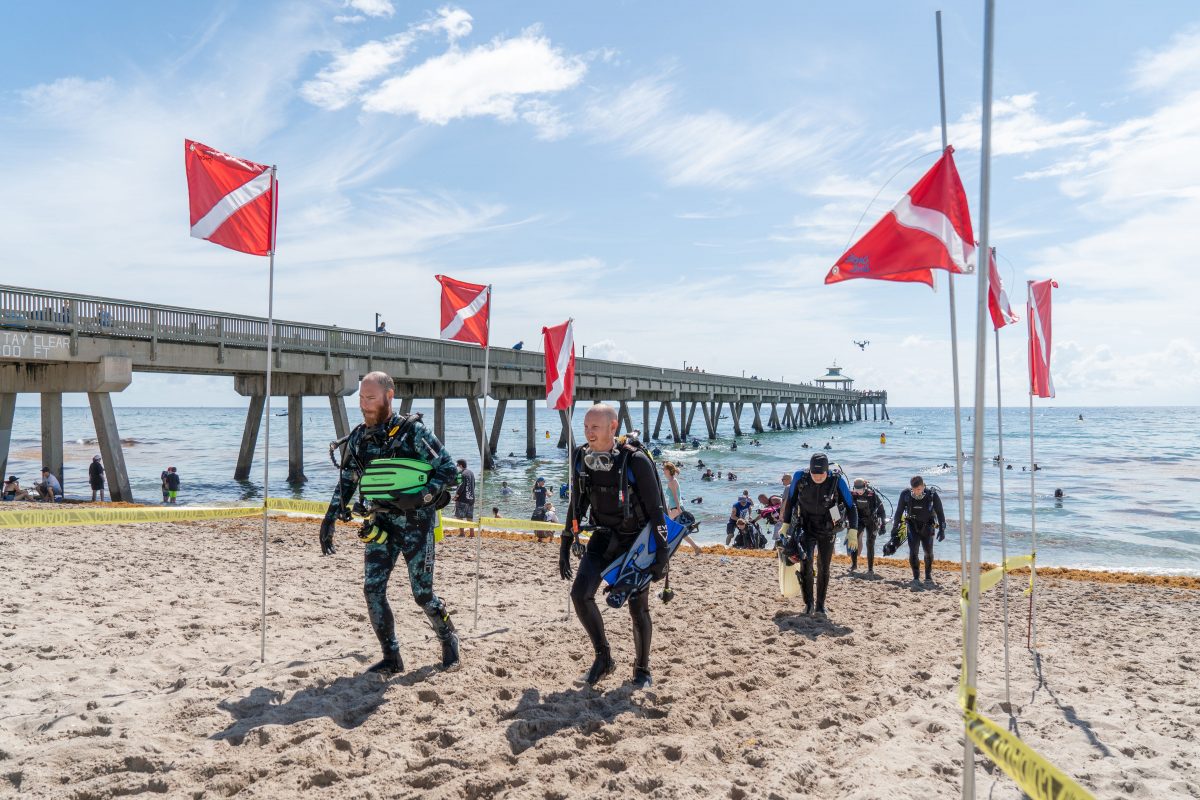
point(482, 452)
point(1003, 523)
point(981, 317)
point(958, 448)
point(1031, 631)
point(262, 653)
point(570, 411)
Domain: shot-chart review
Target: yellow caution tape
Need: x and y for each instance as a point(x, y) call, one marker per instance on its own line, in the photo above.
point(297, 506)
point(993, 576)
point(1036, 776)
point(59, 516)
point(520, 524)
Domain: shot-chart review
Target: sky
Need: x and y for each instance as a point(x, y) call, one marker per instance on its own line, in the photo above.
point(677, 177)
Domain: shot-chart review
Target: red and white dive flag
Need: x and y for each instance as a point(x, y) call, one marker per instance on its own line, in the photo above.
point(998, 307)
point(560, 365)
point(930, 228)
point(1040, 383)
point(232, 200)
point(466, 311)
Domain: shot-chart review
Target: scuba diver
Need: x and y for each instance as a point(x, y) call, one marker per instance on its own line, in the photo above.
point(871, 519)
point(918, 509)
point(617, 489)
point(818, 504)
point(743, 507)
point(394, 462)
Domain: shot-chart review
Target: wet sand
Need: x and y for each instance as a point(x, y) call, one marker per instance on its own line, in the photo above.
point(129, 663)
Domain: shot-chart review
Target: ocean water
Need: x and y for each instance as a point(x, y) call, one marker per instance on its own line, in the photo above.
point(1131, 475)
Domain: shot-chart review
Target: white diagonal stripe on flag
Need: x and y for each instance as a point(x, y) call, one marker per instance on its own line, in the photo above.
point(1042, 348)
point(228, 205)
point(561, 365)
point(464, 314)
point(938, 225)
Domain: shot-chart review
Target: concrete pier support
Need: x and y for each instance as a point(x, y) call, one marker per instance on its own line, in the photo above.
point(530, 428)
point(109, 440)
point(757, 425)
point(773, 420)
point(690, 417)
point(675, 437)
point(478, 424)
point(662, 410)
point(736, 409)
point(497, 426)
point(406, 405)
point(8, 408)
point(717, 407)
point(341, 420)
point(254, 415)
point(52, 433)
point(645, 420)
point(439, 418)
point(624, 418)
point(709, 423)
point(565, 417)
point(296, 439)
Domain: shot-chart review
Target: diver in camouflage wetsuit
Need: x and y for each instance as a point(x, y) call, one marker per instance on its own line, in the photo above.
point(385, 434)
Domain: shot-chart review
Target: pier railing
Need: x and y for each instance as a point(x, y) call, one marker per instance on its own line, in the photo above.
point(81, 315)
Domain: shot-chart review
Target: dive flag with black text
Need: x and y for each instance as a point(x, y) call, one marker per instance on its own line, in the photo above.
point(233, 202)
point(560, 365)
point(466, 310)
point(928, 229)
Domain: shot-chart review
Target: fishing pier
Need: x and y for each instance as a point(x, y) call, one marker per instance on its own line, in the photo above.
point(53, 343)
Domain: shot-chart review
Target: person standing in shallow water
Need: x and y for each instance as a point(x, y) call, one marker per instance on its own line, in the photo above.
point(395, 532)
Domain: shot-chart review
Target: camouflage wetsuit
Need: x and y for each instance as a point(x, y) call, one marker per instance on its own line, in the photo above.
point(409, 533)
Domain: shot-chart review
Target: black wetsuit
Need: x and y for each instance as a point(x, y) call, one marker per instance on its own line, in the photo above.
point(870, 524)
point(807, 508)
point(922, 515)
point(617, 526)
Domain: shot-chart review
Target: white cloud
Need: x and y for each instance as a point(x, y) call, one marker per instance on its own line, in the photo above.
point(489, 80)
point(68, 97)
point(709, 148)
point(1174, 66)
point(342, 81)
point(1018, 128)
point(372, 8)
point(546, 118)
point(608, 350)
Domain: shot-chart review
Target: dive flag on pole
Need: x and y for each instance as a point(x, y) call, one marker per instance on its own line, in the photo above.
point(560, 365)
point(466, 310)
point(998, 306)
point(930, 228)
point(232, 200)
point(1040, 382)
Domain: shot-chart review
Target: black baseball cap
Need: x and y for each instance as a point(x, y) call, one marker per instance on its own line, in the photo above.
point(819, 463)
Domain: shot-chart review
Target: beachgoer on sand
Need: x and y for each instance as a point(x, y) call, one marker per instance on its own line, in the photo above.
point(399, 521)
point(464, 495)
point(616, 488)
point(817, 505)
point(48, 488)
point(96, 478)
point(674, 504)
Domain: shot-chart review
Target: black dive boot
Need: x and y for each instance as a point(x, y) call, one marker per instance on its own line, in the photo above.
point(639, 611)
point(390, 665)
point(439, 618)
point(603, 665)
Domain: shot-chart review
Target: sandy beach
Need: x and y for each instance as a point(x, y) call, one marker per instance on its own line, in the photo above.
point(129, 664)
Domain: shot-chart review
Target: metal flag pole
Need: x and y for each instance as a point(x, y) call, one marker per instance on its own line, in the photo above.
point(570, 488)
point(1003, 523)
point(1031, 630)
point(262, 654)
point(482, 453)
point(981, 317)
point(958, 448)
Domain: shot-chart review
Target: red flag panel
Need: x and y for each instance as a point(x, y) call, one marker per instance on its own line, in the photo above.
point(232, 201)
point(466, 311)
point(560, 365)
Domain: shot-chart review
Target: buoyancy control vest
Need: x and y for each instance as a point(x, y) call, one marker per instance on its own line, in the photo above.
point(812, 501)
point(921, 514)
point(613, 494)
point(868, 505)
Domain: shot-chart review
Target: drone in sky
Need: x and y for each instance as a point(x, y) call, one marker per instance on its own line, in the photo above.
point(863, 344)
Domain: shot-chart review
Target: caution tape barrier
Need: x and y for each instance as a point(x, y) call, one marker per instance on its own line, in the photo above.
point(1036, 777)
point(62, 517)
